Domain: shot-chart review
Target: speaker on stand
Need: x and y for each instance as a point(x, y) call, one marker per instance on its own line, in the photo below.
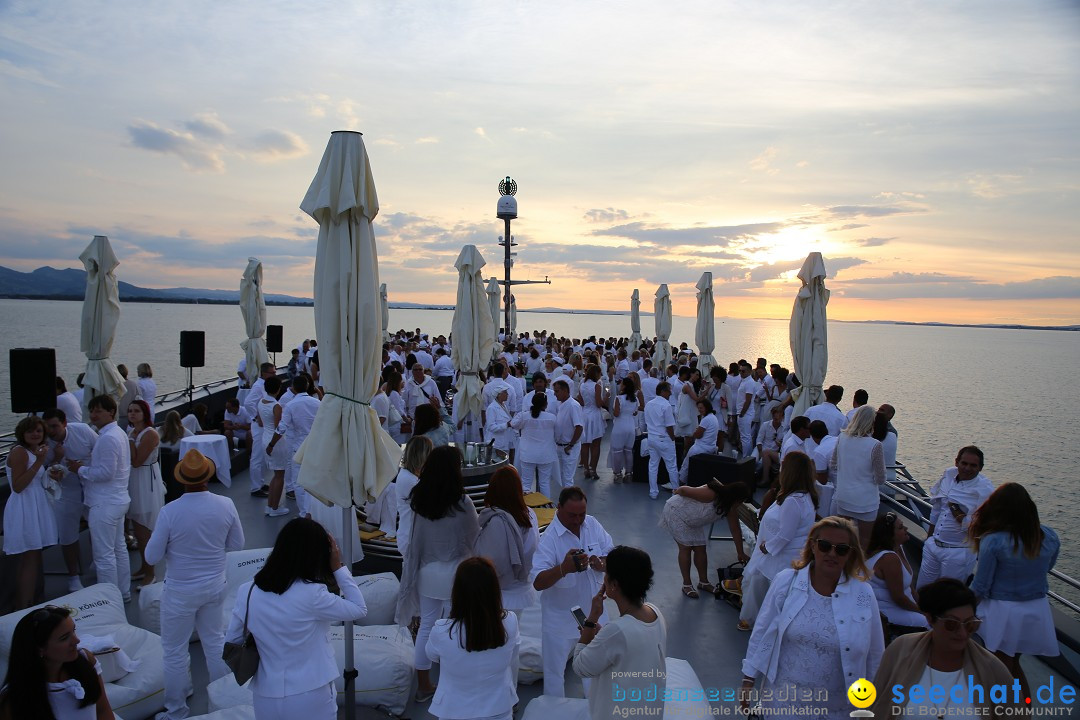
point(33, 379)
point(192, 355)
point(274, 341)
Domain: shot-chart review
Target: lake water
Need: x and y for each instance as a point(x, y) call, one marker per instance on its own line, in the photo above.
point(1011, 392)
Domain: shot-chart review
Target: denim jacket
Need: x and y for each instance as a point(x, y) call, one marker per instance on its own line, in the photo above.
point(1006, 574)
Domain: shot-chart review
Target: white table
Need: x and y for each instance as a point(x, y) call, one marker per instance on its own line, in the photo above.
point(215, 447)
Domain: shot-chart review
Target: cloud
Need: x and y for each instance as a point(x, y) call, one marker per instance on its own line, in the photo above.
point(714, 235)
point(208, 126)
point(842, 211)
point(874, 241)
point(762, 162)
point(272, 145)
point(606, 215)
point(928, 285)
point(851, 226)
point(481, 132)
point(193, 154)
point(906, 278)
point(429, 140)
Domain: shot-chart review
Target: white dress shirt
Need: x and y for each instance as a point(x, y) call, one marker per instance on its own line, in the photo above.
point(576, 588)
point(473, 684)
point(78, 444)
point(658, 417)
point(70, 405)
point(969, 494)
point(444, 367)
point(418, 394)
point(298, 417)
point(105, 479)
point(568, 417)
point(829, 414)
point(193, 533)
point(537, 443)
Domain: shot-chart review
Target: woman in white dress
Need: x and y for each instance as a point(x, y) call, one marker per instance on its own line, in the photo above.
point(722, 398)
point(859, 465)
point(412, 464)
point(891, 575)
point(509, 535)
point(145, 487)
point(536, 451)
point(1015, 552)
point(686, 410)
point(476, 648)
point(397, 414)
point(268, 416)
point(704, 436)
point(48, 676)
point(497, 423)
point(782, 534)
point(819, 629)
point(147, 387)
point(624, 429)
point(29, 522)
point(592, 405)
point(688, 515)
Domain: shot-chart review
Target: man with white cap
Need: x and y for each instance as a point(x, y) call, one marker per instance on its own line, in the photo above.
point(193, 534)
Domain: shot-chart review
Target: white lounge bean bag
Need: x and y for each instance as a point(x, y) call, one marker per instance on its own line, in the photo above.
point(99, 610)
point(239, 712)
point(687, 699)
point(530, 653)
point(241, 566)
point(384, 658)
point(380, 593)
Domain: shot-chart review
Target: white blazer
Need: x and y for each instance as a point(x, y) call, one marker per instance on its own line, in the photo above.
point(295, 655)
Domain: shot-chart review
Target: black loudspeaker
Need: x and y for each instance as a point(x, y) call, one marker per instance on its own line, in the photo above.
point(273, 339)
point(704, 467)
point(33, 379)
point(192, 348)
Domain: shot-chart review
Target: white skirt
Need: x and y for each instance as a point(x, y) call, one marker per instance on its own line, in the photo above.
point(1018, 627)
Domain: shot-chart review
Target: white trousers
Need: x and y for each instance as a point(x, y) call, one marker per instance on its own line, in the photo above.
point(939, 562)
point(661, 448)
point(292, 472)
point(555, 650)
point(110, 550)
point(317, 704)
point(182, 611)
point(544, 472)
point(568, 463)
point(258, 458)
point(431, 609)
point(746, 433)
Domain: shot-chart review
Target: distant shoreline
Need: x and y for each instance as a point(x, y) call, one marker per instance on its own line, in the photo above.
point(552, 311)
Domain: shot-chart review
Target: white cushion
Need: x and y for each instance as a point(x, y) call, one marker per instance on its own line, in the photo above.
point(99, 610)
point(238, 712)
point(241, 566)
point(150, 607)
point(225, 693)
point(530, 655)
point(544, 707)
point(380, 593)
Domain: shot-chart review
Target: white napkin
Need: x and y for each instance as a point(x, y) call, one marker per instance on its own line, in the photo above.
point(115, 663)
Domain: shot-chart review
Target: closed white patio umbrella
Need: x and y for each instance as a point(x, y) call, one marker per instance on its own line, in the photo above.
point(496, 312)
point(384, 303)
point(474, 333)
point(253, 308)
point(348, 458)
point(100, 315)
point(662, 319)
point(809, 333)
point(635, 321)
point(704, 332)
point(512, 330)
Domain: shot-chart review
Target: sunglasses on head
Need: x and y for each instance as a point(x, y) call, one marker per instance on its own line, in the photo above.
point(952, 624)
point(890, 518)
point(842, 549)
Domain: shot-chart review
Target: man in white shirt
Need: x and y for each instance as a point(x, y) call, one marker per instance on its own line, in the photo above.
point(295, 425)
point(648, 382)
point(69, 441)
point(540, 384)
point(744, 402)
point(796, 438)
point(860, 398)
point(193, 534)
point(420, 389)
point(824, 446)
point(67, 401)
point(828, 412)
point(660, 425)
point(424, 357)
point(953, 498)
point(622, 365)
point(569, 424)
point(259, 488)
point(444, 371)
point(568, 568)
point(237, 423)
point(105, 491)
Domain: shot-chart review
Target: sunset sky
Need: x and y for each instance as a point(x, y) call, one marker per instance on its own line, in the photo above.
point(930, 150)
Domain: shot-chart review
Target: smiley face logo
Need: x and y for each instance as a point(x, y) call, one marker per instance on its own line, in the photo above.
point(862, 693)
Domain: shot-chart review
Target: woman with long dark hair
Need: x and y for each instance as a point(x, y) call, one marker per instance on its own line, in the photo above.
point(48, 677)
point(145, 487)
point(29, 522)
point(444, 531)
point(688, 515)
point(891, 575)
point(592, 405)
point(536, 451)
point(1015, 553)
point(509, 534)
point(289, 607)
point(476, 647)
point(624, 423)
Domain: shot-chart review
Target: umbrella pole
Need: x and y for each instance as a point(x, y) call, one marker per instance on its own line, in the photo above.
point(350, 671)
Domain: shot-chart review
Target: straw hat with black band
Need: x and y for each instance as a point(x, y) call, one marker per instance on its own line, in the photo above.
point(194, 469)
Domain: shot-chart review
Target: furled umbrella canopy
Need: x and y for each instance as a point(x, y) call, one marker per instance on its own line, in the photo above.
point(384, 303)
point(100, 315)
point(253, 308)
point(474, 333)
point(809, 333)
point(662, 320)
point(704, 332)
point(496, 314)
point(512, 330)
point(635, 321)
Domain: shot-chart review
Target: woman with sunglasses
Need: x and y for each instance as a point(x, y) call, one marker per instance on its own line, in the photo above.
point(891, 575)
point(819, 630)
point(946, 655)
point(1015, 554)
point(48, 677)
